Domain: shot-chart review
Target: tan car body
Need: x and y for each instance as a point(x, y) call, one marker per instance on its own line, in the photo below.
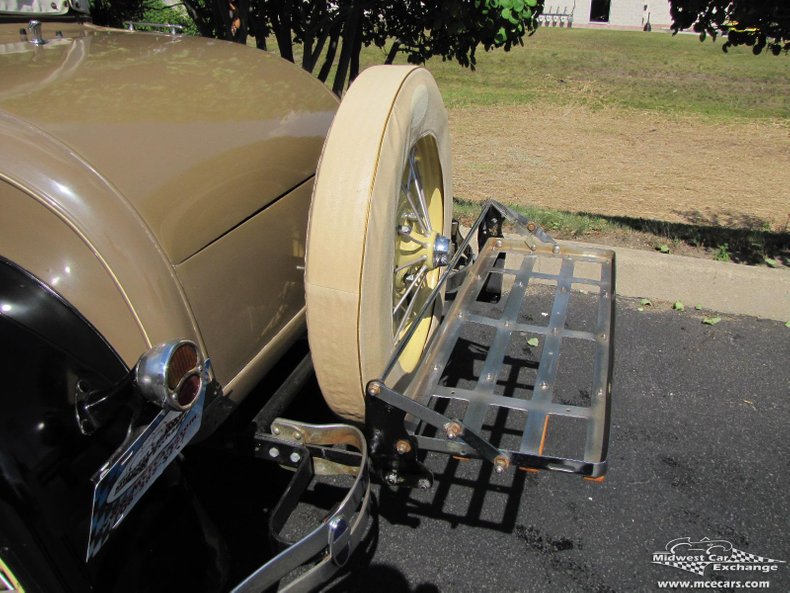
point(160, 184)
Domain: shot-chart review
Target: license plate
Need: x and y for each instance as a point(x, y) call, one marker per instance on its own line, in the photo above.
point(135, 466)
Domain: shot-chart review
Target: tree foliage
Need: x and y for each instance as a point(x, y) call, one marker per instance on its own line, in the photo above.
point(114, 12)
point(331, 33)
point(761, 24)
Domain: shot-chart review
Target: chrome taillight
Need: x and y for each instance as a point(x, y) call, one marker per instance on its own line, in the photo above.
point(171, 375)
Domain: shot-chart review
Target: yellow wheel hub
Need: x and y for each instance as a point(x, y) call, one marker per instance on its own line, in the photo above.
point(419, 247)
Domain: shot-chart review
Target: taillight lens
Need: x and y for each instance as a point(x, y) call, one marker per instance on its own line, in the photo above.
point(171, 375)
point(189, 391)
point(183, 361)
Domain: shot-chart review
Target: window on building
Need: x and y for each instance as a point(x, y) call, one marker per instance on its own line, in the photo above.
point(599, 11)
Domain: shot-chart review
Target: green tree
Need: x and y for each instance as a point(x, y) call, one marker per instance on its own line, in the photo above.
point(332, 32)
point(761, 24)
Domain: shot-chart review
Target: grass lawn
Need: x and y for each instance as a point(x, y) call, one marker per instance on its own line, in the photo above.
point(625, 137)
point(641, 139)
point(629, 69)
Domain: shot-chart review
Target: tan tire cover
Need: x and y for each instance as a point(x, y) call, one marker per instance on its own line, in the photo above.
point(352, 226)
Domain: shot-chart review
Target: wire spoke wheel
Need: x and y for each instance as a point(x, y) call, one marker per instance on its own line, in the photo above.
point(419, 246)
point(377, 235)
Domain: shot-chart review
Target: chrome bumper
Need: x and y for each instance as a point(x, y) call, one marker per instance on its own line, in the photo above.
point(313, 450)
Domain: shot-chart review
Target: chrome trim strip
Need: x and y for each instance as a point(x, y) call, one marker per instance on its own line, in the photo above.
point(171, 28)
point(8, 582)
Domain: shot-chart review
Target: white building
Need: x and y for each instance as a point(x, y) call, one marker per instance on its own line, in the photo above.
point(613, 13)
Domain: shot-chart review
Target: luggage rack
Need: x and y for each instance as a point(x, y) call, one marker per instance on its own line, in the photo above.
point(551, 426)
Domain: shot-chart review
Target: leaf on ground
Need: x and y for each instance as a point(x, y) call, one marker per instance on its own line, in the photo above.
point(711, 320)
point(698, 307)
point(787, 324)
point(532, 342)
point(770, 262)
point(645, 303)
point(640, 309)
point(663, 248)
point(679, 306)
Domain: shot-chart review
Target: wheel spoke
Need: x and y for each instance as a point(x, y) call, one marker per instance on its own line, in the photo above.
point(408, 237)
point(420, 192)
point(405, 190)
point(415, 282)
point(413, 301)
point(419, 260)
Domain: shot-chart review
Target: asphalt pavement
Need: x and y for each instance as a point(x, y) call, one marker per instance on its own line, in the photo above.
point(699, 449)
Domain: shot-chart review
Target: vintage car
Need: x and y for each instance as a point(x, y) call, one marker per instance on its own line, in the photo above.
point(176, 212)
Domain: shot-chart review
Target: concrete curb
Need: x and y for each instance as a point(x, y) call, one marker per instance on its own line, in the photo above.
point(718, 286)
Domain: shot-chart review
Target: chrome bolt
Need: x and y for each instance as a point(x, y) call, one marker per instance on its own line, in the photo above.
point(501, 463)
point(297, 435)
point(35, 30)
point(453, 429)
point(275, 431)
point(556, 250)
point(423, 484)
point(295, 457)
point(498, 243)
point(442, 248)
point(531, 227)
point(391, 478)
point(274, 452)
point(404, 229)
point(403, 446)
point(374, 389)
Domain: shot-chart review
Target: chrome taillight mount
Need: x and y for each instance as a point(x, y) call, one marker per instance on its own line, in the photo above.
point(172, 375)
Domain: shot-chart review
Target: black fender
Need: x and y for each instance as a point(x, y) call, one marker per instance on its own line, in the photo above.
point(50, 358)
point(46, 462)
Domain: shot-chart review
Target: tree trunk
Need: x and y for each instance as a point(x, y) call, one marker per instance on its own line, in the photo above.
point(222, 18)
point(350, 31)
point(323, 74)
point(393, 52)
point(355, 51)
point(282, 28)
point(309, 17)
point(319, 47)
point(243, 14)
point(201, 22)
